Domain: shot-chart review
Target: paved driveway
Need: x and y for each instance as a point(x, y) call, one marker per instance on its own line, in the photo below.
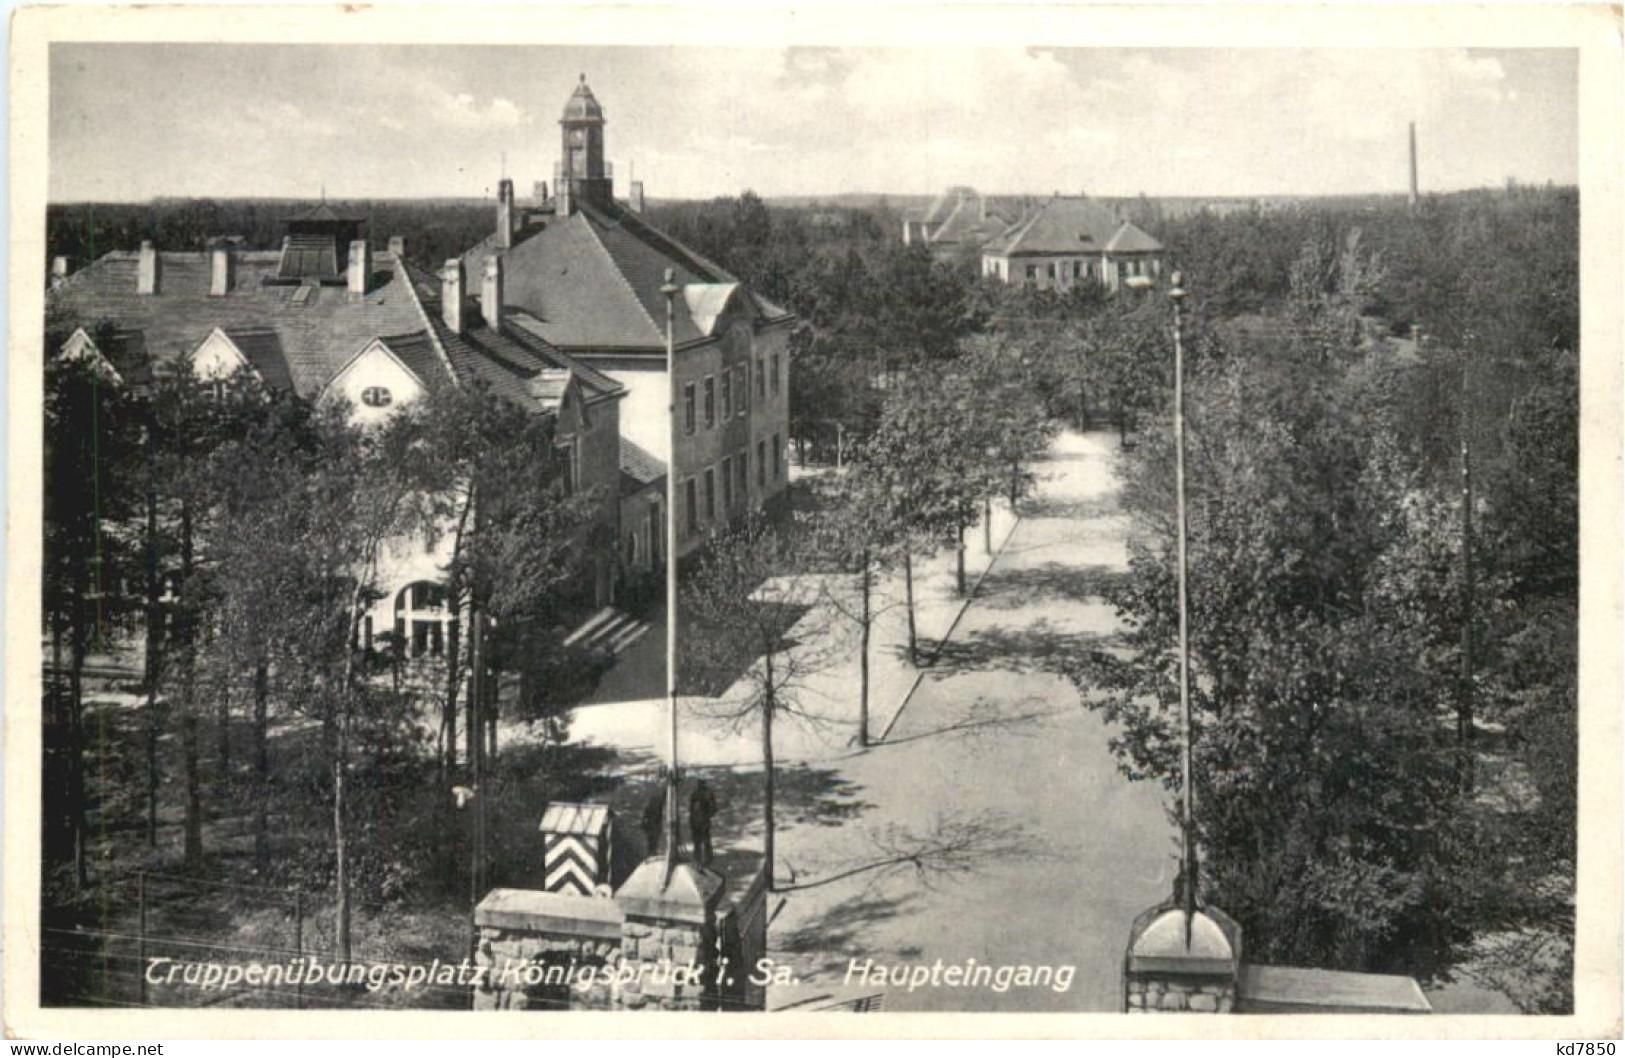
point(994, 736)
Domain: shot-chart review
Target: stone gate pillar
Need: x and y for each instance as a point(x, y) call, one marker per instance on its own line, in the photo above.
point(1174, 967)
point(668, 937)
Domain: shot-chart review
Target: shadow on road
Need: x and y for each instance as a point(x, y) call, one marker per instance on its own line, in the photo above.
point(1011, 589)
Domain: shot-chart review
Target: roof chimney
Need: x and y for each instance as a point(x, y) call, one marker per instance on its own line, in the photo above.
point(538, 194)
point(636, 195)
point(491, 293)
point(397, 248)
point(360, 273)
point(59, 271)
point(220, 269)
point(451, 295)
point(146, 273)
point(504, 214)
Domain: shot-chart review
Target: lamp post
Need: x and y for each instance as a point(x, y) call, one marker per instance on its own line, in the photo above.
point(669, 289)
point(1187, 824)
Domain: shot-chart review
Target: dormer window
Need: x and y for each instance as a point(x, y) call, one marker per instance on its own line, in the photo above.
point(376, 397)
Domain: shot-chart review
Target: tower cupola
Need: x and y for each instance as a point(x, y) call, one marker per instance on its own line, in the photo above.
point(583, 175)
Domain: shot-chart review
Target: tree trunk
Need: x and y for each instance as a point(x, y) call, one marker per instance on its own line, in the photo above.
point(194, 793)
point(476, 751)
point(448, 712)
point(341, 759)
point(262, 769)
point(908, 604)
point(959, 561)
point(1464, 708)
point(865, 621)
point(76, 748)
point(768, 707)
point(223, 737)
point(155, 637)
point(987, 525)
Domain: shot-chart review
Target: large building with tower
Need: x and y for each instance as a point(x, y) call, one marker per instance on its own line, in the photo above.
point(584, 273)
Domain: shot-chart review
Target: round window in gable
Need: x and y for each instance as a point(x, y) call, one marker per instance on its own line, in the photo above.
point(376, 397)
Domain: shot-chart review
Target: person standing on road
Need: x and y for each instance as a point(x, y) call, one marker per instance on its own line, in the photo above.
point(654, 814)
point(701, 807)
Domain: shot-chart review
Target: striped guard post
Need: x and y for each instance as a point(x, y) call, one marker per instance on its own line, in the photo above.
point(575, 847)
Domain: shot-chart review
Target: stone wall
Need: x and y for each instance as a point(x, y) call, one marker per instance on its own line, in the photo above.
point(1173, 995)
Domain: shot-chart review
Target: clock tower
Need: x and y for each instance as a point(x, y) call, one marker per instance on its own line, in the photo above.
point(583, 175)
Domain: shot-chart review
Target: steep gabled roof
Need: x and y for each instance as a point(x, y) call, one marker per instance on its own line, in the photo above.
point(592, 280)
point(1070, 226)
point(299, 336)
point(639, 467)
point(513, 362)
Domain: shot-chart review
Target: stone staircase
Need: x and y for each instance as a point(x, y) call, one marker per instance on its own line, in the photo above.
point(609, 630)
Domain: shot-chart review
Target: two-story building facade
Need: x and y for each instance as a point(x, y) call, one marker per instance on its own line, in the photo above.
point(586, 274)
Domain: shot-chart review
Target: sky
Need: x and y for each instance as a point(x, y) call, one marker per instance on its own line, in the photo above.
point(135, 121)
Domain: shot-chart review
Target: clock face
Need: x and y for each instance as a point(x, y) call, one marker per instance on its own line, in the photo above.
point(578, 137)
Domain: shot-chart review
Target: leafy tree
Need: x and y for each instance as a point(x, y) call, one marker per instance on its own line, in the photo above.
point(751, 605)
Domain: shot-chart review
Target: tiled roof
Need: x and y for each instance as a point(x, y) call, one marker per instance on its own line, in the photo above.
point(965, 224)
point(639, 467)
point(514, 363)
point(263, 348)
point(582, 104)
point(314, 330)
point(592, 281)
point(1072, 225)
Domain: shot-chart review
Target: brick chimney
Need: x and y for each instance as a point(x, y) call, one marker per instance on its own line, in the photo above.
point(59, 271)
point(636, 196)
point(146, 272)
point(360, 271)
point(451, 295)
point(397, 248)
point(505, 216)
point(491, 293)
point(220, 271)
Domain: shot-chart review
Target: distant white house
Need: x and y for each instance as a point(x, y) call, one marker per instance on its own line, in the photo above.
point(1072, 240)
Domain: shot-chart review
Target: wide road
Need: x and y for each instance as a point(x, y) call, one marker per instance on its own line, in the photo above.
point(1066, 850)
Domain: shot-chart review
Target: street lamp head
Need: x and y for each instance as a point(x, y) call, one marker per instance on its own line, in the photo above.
point(1178, 290)
point(670, 287)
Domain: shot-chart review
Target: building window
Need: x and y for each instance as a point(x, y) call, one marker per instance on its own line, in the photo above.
point(727, 395)
point(657, 533)
point(761, 379)
point(778, 458)
point(727, 482)
point(420, 617)
point(1052, 271)
point(632, 548)
point(376, 397)
point(567, 469)
point(741, 461)
point(692, 499)
point(775, 374)
point(688, 408)
point(1032, 272)
point(710, 402)
point(761, 464)
point(742, 387)
point(710, 495)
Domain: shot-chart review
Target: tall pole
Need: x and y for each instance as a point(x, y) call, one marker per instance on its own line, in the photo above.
point(1187, 824)
point(1414, 195)
point(670, 290)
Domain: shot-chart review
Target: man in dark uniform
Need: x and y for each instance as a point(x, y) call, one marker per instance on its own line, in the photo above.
point(701, 807)
point(654, 814)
